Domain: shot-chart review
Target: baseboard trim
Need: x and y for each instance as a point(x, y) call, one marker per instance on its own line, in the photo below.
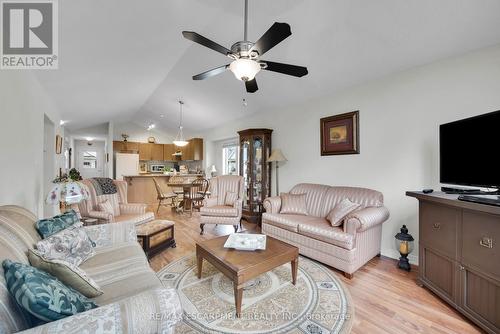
point(393, 254)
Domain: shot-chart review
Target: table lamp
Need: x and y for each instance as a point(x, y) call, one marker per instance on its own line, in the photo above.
point(66, 192)
point(277, 156)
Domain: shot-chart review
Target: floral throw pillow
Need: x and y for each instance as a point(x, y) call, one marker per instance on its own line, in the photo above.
point(340, 211)
point(72, 245)
point(41, 294)
point(50, 226)
point(67, 273)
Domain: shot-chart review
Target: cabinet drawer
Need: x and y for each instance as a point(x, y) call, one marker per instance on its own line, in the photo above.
point(481, 241)
point(438, 228)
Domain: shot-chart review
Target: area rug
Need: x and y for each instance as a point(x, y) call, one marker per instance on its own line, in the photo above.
point(318, 304)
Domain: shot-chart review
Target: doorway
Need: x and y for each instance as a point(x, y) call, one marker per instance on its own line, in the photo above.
point(90, 158)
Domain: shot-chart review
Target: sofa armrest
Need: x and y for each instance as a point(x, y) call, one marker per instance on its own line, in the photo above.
point(153, 311)
point(107, 235)
point(133, 208)
point(108, 217)
point(208, 202)
point(365, 219)
point(272, 204)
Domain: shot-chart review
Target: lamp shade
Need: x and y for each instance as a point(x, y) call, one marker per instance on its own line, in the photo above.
point(276, 155)
point(244, 69)
point(72, 192)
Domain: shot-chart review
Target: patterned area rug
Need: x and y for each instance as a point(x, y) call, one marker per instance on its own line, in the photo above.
point(318, 304)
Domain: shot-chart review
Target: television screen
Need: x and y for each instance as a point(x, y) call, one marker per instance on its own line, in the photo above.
point(469, 149)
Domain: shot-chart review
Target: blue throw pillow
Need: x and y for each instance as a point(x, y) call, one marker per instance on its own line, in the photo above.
point(49, 226)
point(41, 294)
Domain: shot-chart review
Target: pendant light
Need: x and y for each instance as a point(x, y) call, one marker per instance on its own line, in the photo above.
point(179, 139)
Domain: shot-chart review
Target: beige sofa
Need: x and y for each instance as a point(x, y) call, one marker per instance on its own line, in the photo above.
point(123, 211)
point(347, 247)
point(134, 300)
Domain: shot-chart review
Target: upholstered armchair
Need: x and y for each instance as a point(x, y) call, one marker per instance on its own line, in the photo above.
point(122, 210)
point(225, 204)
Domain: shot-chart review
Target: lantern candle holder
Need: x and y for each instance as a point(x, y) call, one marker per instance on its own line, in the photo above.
point(404, 244)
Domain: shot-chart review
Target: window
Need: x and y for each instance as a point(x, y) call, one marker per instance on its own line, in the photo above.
point(89, 159)
point(230, 160)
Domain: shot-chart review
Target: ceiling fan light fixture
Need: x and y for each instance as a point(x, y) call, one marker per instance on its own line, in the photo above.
point(245, 69)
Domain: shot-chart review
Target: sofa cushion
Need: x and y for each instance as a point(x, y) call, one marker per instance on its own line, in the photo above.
point(320, 229)
point(340, 211)
point(294, 204)
point(230, 198)
point(72, 245)
point(287, 222)
point(314, 195)
point(135, 218)
point(49, 226)
point(41, 294)
point(105, 206)
point(67, 273)
point(219, 211)
point(121, 271)
point(363, 196)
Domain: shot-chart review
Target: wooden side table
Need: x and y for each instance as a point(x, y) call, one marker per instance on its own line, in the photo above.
point(155, 236)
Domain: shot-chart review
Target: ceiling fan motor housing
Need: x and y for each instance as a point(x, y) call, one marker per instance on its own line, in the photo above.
point(241, 49)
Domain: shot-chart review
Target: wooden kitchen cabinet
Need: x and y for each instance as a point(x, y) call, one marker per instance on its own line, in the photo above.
point(149, 151)
point(196, 149)
point(145, 151)
point(157, 152)
point(193, 151)
point(168, 151)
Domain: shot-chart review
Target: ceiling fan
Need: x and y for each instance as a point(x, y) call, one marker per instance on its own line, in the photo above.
point(246, 55)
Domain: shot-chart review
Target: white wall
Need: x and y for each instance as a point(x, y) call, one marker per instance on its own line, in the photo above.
point(399, 119)
point(23, 103)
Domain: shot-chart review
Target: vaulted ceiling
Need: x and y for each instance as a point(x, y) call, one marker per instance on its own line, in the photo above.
point(125, 60)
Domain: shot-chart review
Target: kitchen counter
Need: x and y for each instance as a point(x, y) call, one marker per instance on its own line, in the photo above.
point(141, 188)
point(159, 175)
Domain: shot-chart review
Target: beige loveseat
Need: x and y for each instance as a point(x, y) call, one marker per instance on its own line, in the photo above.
point(134, 300)
point(347, 247)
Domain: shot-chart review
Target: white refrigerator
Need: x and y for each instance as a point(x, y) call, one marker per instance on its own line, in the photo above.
point(126, 164)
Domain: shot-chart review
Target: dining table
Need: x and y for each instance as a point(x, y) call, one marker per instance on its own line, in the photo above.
point(186, 188)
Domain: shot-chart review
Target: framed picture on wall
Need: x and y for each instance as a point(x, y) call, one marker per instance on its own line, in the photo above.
point(59, 144)
point(340, 134)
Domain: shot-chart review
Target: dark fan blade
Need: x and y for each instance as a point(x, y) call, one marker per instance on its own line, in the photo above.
point(197, 38)
point(296, 71)
point(251, 86)
point(272, 37)
point(210, 73)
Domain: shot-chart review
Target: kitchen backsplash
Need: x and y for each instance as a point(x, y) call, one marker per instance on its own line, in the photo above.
point(192, 165)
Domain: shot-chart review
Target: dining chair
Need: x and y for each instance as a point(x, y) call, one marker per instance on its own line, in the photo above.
point(178, 191)
point(196, 193)
point(162, 196)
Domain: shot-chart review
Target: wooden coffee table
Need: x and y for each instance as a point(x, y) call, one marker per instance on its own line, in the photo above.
point(242, 266)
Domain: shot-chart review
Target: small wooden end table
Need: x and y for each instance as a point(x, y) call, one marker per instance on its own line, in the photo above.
point(155, 236)
point(242, 266)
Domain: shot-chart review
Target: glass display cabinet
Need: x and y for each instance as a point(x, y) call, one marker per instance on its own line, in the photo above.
point(255, 147)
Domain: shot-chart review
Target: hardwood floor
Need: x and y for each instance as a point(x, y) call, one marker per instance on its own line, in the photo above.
point(386, 299)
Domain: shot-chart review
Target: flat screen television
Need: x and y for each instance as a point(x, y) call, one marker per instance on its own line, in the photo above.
point(468, 151)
